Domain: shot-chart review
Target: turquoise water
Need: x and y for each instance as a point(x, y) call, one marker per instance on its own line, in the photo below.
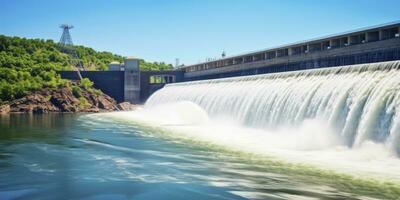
point(85, 157)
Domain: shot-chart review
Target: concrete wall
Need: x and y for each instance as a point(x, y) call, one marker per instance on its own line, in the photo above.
point(113, 83)
point(110, 82)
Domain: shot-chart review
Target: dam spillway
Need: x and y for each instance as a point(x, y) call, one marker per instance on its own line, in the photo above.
point(360, 102)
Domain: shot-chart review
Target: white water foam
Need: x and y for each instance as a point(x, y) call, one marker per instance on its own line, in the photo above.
point(310, 143)
point(344, 119)
point(359, 102)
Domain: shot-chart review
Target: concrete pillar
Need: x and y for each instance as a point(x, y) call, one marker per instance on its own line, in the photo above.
point(352, 40)
point(132, 81)
point(369, 37)
point(398, 31)
point(380, 34)
point(329, 45)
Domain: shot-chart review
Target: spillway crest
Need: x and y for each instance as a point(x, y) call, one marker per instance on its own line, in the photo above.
point(360, 102)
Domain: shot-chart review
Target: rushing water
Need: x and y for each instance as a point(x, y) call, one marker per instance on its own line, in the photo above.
point(320, 134)
point(97, 157)
point(359, 103)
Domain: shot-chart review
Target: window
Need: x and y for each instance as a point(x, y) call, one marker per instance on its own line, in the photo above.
point(161, 79)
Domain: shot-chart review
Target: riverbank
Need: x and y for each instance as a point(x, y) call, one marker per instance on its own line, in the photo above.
point(64, 100)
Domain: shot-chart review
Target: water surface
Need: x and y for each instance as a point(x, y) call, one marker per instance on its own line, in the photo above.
point(79, 157)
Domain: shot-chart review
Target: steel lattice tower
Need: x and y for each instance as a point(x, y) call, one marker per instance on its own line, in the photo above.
point(68, 47)
point(66, 39)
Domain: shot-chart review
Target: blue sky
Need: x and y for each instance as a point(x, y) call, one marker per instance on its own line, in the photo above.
point(191, 30)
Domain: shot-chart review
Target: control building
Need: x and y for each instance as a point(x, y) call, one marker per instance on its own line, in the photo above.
point(130, 67)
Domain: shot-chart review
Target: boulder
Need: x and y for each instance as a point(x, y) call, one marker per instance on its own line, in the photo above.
point(33, 103)
point(4, 109)
point(93, 109)
point(126, 106)
point(106, 103)
point(65, 100)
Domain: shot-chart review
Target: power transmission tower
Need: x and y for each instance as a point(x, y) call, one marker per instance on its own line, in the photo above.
point(176, 62)
point(68, 47)
point(66, 39)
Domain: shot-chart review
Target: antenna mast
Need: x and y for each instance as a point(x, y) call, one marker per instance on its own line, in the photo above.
point(176, 62)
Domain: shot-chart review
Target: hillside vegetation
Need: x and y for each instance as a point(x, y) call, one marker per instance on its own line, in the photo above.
point(30, 64)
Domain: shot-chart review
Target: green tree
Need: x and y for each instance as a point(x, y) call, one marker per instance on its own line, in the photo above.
point(31, 64)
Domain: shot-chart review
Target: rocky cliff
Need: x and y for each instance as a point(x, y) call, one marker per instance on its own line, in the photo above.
point(63, 100)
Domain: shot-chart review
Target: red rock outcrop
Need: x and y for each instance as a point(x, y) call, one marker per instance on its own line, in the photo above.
point(61, 100)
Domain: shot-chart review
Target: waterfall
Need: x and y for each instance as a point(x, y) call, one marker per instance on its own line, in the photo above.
point(360, 102)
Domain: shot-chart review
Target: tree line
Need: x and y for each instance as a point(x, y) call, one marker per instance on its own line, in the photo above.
point(31, 64)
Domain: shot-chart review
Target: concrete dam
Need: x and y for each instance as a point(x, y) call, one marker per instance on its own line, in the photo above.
point(333, 107)
point(125, 82)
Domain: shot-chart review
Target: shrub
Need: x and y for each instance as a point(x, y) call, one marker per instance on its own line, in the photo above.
point(86, 83)
point(77, 91)
point(95, 91)
point(84, 103)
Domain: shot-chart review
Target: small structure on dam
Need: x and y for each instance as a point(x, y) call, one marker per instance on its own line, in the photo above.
point(130, 69)
point(367, 45)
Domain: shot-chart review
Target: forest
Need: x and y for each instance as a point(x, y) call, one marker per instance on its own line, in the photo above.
point(30, 64)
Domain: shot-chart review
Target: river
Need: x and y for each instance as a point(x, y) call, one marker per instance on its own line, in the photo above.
point(318, 134)
point(90, 156)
